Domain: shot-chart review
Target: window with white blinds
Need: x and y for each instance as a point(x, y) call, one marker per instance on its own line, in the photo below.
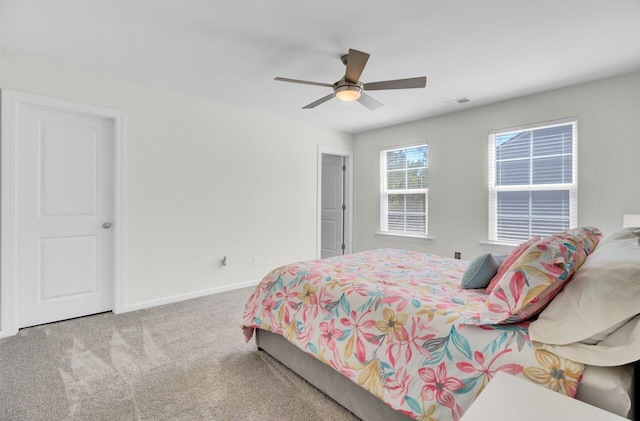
point(403, 190)
point(532, 181)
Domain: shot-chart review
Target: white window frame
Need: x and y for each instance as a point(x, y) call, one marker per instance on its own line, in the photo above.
point(384, 192)
point(494, 190)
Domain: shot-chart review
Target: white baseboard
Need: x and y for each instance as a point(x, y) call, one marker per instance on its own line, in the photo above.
point(181, 297)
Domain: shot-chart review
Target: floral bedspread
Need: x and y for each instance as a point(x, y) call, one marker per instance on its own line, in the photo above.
point(393, 321)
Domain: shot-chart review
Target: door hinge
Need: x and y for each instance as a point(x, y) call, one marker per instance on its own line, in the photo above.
point(343, 247)
point(344, 207)
point(344, 168)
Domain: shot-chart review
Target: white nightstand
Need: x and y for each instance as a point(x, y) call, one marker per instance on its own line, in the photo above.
point(508, 398)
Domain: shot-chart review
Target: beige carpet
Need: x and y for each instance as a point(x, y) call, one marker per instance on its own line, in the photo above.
point(183, 361)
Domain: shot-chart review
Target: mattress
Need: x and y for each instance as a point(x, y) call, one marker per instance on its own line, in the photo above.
point(609, 388)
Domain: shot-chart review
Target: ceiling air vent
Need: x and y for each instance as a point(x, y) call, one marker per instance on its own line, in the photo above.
point(462, 100)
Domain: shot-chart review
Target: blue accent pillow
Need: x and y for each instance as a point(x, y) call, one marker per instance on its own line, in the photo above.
point(481, 270)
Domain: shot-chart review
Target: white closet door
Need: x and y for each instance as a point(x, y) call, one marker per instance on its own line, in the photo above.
point(332, 206)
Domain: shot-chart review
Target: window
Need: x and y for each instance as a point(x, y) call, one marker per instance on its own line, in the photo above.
point(532, 181)
point(403, 190)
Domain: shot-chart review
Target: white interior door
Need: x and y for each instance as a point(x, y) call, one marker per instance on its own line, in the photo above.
point(64, 211)
point(333, 211)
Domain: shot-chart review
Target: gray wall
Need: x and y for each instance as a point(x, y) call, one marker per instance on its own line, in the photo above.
point(608, 113)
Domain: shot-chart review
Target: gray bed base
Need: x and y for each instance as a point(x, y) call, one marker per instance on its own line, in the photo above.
point(341, 389)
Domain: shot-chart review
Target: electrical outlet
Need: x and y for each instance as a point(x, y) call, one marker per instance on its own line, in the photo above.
point(224, 262)
point(256, 260)
point(457, 255)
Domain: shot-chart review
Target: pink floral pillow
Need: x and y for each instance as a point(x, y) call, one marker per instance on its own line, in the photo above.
point(589, 236)
point(533, 279)
point(508, 262)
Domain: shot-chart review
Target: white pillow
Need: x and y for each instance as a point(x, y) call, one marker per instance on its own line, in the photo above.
point(621, 347)
point(601, 336)
point(604, 292)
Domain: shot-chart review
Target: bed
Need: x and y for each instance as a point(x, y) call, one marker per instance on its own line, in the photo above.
point(391, 334)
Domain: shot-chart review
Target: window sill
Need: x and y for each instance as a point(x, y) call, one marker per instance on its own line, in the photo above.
point(414, 238)
point(497, 246)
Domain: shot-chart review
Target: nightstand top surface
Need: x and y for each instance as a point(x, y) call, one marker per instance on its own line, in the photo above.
point(507, 398)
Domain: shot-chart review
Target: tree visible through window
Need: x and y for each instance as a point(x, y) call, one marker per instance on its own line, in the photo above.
point(403, 190)
point(532, 181)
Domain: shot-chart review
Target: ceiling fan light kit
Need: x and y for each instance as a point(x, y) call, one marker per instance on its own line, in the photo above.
point(350, 88)
point(346, 91)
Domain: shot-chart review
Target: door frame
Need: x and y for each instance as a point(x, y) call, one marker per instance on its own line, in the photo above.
point(348, 194)
point(11, 101)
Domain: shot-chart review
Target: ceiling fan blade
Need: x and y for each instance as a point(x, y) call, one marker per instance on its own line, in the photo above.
point(320, 101)
point(369, 102)
point(414, 82)
point(356, 60)
point(304, 82)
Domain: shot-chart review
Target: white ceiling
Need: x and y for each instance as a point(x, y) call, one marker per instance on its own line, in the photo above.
point(230, 51)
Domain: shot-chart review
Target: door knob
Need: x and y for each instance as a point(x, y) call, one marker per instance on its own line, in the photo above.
point(106, 225)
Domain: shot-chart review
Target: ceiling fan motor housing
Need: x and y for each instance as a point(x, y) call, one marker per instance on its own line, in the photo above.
point(347, 91)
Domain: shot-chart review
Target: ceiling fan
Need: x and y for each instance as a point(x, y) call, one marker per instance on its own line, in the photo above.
point(350, 88)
